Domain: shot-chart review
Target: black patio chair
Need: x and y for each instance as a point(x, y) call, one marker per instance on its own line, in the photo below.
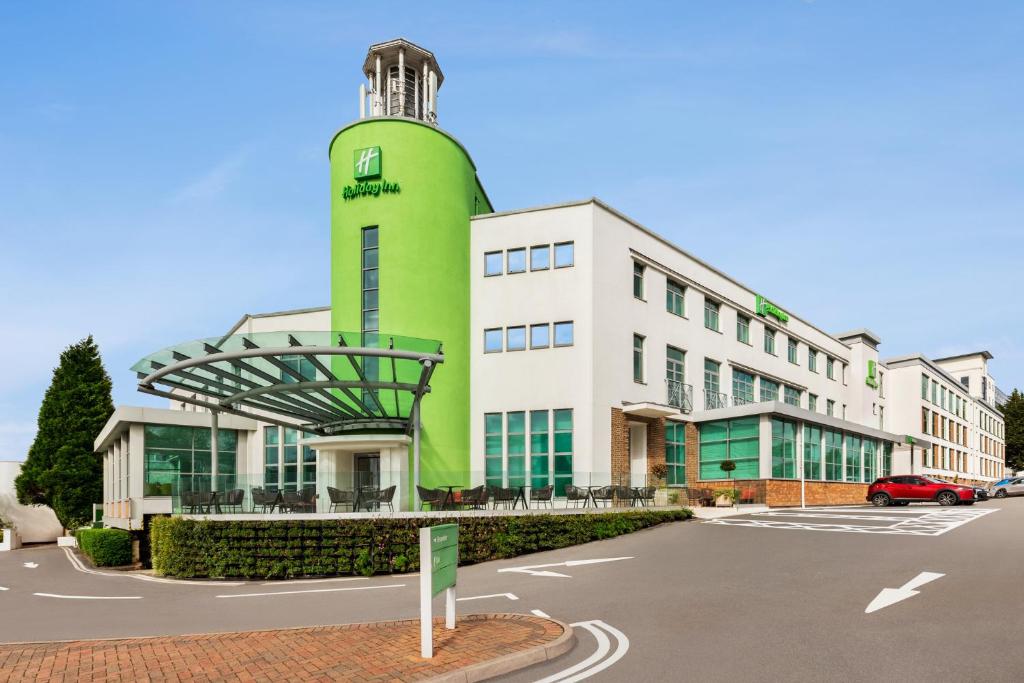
point(475, 498)
point(291, 501)
point(541, 496)
point(604, 495)
point(576, 495)
point(386, 496)
point(232, 500)
point(644, 495)
point(188, 502)
point(432, 497)
point(506, 497)
point(340, 499)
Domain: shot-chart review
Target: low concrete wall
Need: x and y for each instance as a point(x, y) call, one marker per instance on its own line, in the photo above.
point(35, 523)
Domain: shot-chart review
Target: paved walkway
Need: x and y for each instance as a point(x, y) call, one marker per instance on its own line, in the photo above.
point(384, 651)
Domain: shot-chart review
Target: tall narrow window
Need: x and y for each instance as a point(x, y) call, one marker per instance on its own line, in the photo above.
point(674, 364)
point(792, 348)
point(870, 466)
point(830, 407)
point(769, 390)
point(769, 341)
point(812, 403)
point(711, 314)
point(924, 386)
point(742, 329)
point(713, 398)
point(563, 449)
point(812, 452)
point(853, 458)
point(812, 360)
point(674, 301)
point(830, 367)
point(638, 280)
point(516, 448)
point(675, 453)
point(540, 448)
point(271, 457)
point(493, 465)
point(833, 455)
point(370, 307)
point(742, 387)
point(783, 449)
point(638, 358)
point(290, 459)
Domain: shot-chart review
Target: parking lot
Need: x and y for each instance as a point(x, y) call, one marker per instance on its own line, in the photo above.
point(923, 519)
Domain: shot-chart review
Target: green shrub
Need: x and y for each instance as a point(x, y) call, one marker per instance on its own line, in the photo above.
point(280, 549)
point(106, 547)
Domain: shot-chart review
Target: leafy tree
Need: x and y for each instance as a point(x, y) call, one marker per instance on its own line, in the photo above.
point(62, 470)
point(1013, 415)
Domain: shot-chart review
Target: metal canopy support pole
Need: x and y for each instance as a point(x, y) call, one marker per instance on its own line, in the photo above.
point(214, 433)
point(416, 454)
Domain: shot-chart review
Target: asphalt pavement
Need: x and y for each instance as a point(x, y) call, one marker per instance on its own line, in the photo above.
point(773, 596)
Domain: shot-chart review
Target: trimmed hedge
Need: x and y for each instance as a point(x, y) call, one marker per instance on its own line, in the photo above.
point(283, 549)
point(106, 547)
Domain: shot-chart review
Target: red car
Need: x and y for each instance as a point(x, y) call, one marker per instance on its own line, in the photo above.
point(902, 490)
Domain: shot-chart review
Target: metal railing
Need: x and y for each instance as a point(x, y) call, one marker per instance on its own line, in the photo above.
point(679, 395)
point(715, 400)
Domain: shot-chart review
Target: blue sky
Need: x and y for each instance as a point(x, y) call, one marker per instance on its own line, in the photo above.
point(163, 167)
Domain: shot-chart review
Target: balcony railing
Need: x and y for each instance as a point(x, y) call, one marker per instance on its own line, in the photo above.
point(713, 400)
point(680, 395)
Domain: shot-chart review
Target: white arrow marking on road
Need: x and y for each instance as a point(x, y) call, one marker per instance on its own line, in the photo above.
point(31, 565)
point(510, 596)
point(531, 569)
point(4, 589)
point(890, 596)
point(594, 664)
point(539, 613)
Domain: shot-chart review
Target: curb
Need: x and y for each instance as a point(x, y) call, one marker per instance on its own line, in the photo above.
point(513, 662)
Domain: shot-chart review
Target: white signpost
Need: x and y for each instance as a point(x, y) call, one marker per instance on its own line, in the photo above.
point(439, 558)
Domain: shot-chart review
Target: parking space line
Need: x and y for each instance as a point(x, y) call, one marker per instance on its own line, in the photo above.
point(932, 523)
point(315, 590)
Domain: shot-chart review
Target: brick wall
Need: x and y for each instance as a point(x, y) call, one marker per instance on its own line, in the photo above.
point(620, 467)
point(619, 445)
point(786, 492)
point(692, 455)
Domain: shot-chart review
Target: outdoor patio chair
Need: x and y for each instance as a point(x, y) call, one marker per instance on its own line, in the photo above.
point(541, 496)
point(624, 494)
point(707, 497)
point(432, 497)
point(265, 500)
point(506, 497)
point(188, 502)
point(341, 499)
point(577, 495)
point(232, 500)
point(475, 497)
point(604, 494)
point(204, 501)
point(307, 499)
point(644, 495)
point(291, 501)
point(386, 495)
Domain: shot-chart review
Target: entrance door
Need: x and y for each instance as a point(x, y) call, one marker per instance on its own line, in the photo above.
point(367, 470)
point(637, 456)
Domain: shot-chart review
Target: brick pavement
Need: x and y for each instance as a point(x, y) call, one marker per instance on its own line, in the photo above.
point(382, 651)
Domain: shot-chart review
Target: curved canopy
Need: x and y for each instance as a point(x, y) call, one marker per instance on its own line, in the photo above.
point(320, 382)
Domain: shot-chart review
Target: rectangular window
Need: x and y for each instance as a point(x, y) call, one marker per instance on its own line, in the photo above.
point(791, 395)
point(371, 281)
point(742, 387)
point(830, 407)
point(515, 447)
point(870, 465)
point(769, 341)
point(712, 389)
point(769, 390)
point(515, 338)
point(563, 450)
point(494, 467)
point(812, 452)
point(638, 280)
point(493, 263)
point(674, 364)
point(743, 329)
point(735, 440)
point(638, 358)
point(886, 459)
point(783, 449)
point(290, 459)
point(493, 340)
point(564, 256)
point(935, 392)
point(301, 369)
point(308, 467)
point(812, 403)
point(516, 260)
point(792, 349)
point(812, 360)
point(881, 417)
point(540, 448)
point(564, 333)
point(833, 455)
point(178, 458)
point(924, 420)
point(711, 314)
point(830, 367)
point(924, 387)
point(942, 400)
point(540, 336)
point(540, 257)
point(674, 298)
point(675, 453)
point(271, 457)
point(853, 459)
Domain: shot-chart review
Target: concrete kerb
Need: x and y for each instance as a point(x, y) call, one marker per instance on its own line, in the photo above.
point(512, 662)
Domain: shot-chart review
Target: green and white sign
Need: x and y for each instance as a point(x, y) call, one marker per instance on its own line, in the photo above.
point(872, 378)
point(439, 560)
point(366, 163)
point(764, 307)
point(444, 556)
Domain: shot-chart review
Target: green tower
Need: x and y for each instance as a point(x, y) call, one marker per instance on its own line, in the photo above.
point(402, 193)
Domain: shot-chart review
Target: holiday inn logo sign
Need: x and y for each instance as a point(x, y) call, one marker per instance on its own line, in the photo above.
point(367, 170)
point(764, 307)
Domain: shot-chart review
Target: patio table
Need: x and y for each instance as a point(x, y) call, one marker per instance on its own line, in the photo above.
point(449, 498)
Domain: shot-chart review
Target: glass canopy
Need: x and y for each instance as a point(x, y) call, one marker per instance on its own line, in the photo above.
point(322, 382)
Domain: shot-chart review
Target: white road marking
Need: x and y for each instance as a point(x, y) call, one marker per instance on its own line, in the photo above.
point(531, 569)
point(315, 590)
point(309, 581)
point(596, 662)
point(89, 597)
point(538, 613)
point(2, 588)
point(510, 596)
point(78, 566)
point(890, 596)
point(934, 522)
point(31, 565)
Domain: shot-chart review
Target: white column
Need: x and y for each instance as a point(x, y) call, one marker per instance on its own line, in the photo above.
point(401, 81)
point(433, 93)
point(362, 101)
point(214, 431)
point(378, 101)
point(426, 94)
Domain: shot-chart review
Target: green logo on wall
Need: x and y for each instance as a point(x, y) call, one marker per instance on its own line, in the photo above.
point(765, 307)
point(872, 378)
point(366, 163)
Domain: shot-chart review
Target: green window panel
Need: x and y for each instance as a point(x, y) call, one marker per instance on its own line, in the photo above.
point(812, 403)
point(812, 360)
point(711, 376)
point(563, 449)
point(675, 453)
point(743, 329)
point(769, 341)
point(783, 449)
point(792, 396)
point(675, 364)
point(516, 445)
point(674, 298)
point(540, 448)
point(493, 451)
point(735, 440)
point(886, 459)
point(178, 458)
point(742, 387)
point(853, 458)
point(830, 368)
point(812, 452)
point(638, 358)
point(638, 280)
point(870, 448)
point(833, 455)
point(792, 350)
point(769, 390)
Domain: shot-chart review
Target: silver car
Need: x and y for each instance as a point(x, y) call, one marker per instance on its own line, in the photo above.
point(1013, 486)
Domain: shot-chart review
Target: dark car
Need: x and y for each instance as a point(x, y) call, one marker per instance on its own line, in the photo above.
point(904, 489)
